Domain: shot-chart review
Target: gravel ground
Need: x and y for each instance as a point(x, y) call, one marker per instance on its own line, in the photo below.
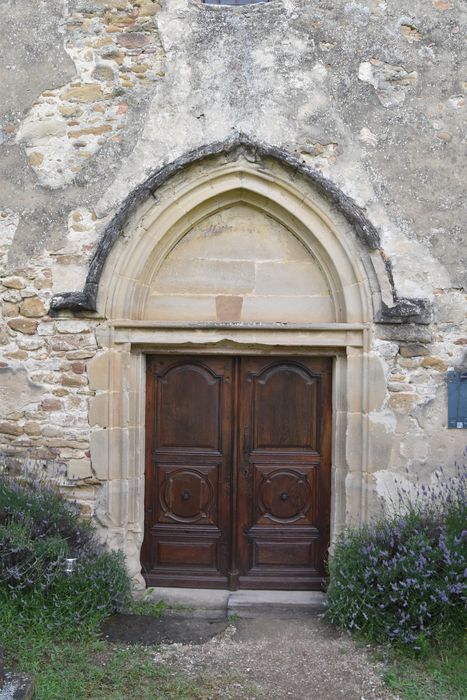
point(272, 658)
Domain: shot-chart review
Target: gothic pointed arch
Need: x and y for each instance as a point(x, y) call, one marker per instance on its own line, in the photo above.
point(330, 226)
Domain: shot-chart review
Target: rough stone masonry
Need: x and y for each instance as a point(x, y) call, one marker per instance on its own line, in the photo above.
point(99, 97)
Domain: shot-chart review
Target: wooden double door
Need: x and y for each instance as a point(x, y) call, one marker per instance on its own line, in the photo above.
point(238, 472)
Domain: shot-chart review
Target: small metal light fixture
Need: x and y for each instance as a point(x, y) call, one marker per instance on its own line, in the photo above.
point(70, 565)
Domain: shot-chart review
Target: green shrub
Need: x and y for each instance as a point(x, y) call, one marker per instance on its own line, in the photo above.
point(39, 530)
point(41, 506)
point(402, 579)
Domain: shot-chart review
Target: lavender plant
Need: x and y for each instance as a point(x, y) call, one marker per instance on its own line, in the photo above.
point(38, 531)
point(402, 578)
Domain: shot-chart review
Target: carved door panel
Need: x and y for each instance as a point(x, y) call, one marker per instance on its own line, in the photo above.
point(189, 471)
point(284, 472)
point(238, 472)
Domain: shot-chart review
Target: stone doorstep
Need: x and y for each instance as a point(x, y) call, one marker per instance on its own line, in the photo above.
point(17, 686)
point(244, 603)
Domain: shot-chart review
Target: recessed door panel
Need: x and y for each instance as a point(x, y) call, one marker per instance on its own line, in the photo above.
point(186, 392)
point(187, 494)
point(284, 494)
point(283, 385)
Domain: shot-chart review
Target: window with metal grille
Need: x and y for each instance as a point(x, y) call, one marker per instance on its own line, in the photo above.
point(233, 2)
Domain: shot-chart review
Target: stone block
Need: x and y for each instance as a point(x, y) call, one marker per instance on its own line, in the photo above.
point(133, 40)
point(84, 93)
point(398, 386)
point(99, 410)
point(106, 452)
point(33, 308)
point(9, 309)
point(73, 326)
point(79, 469)
point(435, 363)
point(290, 279)
point(340, 428)
point(63, 343)
point(402, 401)
point(204, 277)
point(229, 308)
point(354, 394)
point(32, 428)
point(354, 445)
point(405, 333)
point(180, 307)
point(275, 309)
point(73, 380)
point(14, 282)
point(51, 405)
point(98, 370)
point(413, 350)
point(23, 325)
point(7, 428)
point(12, 295)
point(99, 446)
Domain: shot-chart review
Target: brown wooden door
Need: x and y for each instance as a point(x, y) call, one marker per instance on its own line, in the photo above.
point(238, 472)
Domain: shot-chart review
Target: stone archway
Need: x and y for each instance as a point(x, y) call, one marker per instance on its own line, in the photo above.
point(152, 302)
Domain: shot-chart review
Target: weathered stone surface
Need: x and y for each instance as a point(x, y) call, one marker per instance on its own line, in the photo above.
point(84, 93)
point(435, 363)
point(133, 40)
point(33, 308)
point(79, 469)
point(32, 428)
point(23, 325)
point(10, 428)
point(9, 309)
point(17, 686)
point(402, 401)
point(413, 350)
point(51, 405)
point(14, 282)
point(390, 82)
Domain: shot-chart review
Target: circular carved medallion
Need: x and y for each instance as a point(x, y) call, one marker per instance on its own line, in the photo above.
point(186, 495)
point(284, 496)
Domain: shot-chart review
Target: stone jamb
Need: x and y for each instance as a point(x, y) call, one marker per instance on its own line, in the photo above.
point(120, 507)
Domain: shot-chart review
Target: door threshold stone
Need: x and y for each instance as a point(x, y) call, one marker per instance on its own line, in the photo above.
point(243, 603)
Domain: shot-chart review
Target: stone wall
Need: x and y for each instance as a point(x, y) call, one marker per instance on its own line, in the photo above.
point(97, 96)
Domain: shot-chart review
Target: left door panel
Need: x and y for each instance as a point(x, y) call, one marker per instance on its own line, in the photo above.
point(188, 471)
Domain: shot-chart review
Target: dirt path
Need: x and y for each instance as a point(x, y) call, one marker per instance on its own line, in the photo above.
point(301, 659)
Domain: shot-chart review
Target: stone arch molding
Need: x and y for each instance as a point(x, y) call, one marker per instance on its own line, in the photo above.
point(137, 258)
point(296, 195)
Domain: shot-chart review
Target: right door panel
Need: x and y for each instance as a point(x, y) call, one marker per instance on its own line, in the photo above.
point(284, 467)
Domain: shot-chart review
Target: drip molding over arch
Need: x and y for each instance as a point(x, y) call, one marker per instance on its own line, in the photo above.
point(244, 175)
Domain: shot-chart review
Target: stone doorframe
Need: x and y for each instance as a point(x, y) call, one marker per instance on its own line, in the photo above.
point(119, 377)
point(355, 276)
